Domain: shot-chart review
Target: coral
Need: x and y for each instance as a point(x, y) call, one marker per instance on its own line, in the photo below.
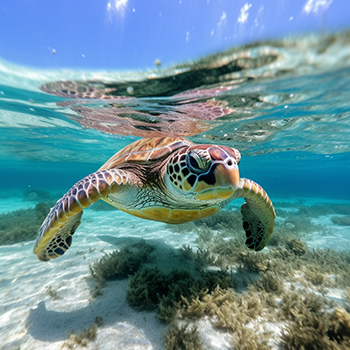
point(306, 337)
point(311, 329)
point(232, 312)
point(269, 282)
point(297, 246)
point(316, 277)
point(248, 339)
point(230, 308)
point(309, 326)
point(341, 220)
point(212, 279)
point(253, 261)
point(203, 256)
point(204, 234)
point(270, 286)
point(22, 225)
point(208, 304)
point(228, 249)
point(339, 325)
point(187, 252)
point(289, 261)
point(182, 338)
point(298, 307)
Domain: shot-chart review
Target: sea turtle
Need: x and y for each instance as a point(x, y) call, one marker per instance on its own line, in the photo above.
point(168, 179)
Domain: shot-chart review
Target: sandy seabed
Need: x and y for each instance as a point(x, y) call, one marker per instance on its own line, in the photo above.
point(31, 318)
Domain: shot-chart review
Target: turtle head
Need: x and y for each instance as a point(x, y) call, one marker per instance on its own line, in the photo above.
point(205, 172)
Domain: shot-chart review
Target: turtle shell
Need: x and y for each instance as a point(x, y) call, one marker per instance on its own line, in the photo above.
point(146, 151)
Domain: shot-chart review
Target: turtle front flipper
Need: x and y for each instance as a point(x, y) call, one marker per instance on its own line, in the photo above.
point(258, 214)
point(55, 234)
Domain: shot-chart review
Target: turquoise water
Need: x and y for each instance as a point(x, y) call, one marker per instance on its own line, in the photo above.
point(284, 104)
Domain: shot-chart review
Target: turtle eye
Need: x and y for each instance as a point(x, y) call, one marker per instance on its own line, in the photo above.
point(196, 163)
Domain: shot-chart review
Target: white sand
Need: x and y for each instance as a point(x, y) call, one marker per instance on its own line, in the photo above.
point(31, 319)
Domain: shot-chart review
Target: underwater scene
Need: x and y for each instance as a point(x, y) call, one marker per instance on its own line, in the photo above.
point(233, 184)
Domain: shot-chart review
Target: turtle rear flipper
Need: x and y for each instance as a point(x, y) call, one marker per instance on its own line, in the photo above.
point(55, 234)
point(258, 214)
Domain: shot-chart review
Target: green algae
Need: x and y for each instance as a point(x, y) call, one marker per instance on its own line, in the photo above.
point(230, 311)
point(146, 288)
point(307, 324)
point(247, 339)
point(52, 292)
point(297, 246)
point(341, 220)
point(270, 282)
point(81, 339)
point(252, 261)
point(183, 338)
point(315, 210)
point(224, 220)
point(22, 225)
point(283, 284)
point(314, 329)
point(202, 256)
point(286, 264)
point(120, 263)
point(317, 330)
point(151, 288)
point(288, 256)
point(339, 326)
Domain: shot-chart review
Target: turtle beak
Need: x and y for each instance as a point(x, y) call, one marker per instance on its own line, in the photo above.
point(227, 180)
point(226, 171)
point(227, 175)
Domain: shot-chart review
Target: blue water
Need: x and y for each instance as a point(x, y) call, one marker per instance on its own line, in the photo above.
point(284, 104)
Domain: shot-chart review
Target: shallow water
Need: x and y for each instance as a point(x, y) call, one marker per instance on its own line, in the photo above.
point(284, 104)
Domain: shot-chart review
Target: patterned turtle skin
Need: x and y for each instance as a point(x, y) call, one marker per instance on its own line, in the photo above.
point(164, 179)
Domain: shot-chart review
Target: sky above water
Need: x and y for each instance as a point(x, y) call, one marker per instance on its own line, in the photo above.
point(132, 34)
